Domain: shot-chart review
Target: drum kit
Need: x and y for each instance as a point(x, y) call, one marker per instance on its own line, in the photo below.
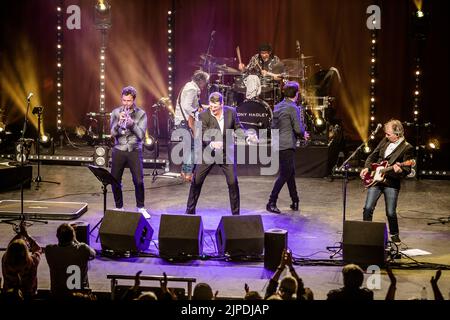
point(256, 112)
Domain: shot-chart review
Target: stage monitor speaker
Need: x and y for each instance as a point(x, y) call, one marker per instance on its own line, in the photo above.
point(81, 231)
point(125, 232)
point(180, 236)
point(364, 242)
point(275, 241)
point(240, 236)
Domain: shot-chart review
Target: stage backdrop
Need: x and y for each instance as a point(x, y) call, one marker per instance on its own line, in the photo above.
point(333, 32)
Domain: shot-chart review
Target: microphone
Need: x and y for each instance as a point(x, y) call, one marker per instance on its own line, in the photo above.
point(30, 95)
point(376, 129)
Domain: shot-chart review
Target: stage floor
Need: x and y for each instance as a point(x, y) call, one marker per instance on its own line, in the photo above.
point(318, 225)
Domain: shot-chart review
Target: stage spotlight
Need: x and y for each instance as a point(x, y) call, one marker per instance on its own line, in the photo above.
point(45, 140)
point(80, 131)
point(149, 143)
point(2, 127)
point(433, 144)
point(419, 14)
point(101, 156)
point(103, 14)
point(367, 149)
point(319, 124)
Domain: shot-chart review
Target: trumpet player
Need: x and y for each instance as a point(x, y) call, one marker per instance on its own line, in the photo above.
point(128, 126)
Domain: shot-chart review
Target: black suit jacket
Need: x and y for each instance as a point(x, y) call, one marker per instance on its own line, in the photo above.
point(403, 152)
point(211, 132)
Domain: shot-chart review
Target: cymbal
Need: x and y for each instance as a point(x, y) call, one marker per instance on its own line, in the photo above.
point(218, 60)
point(291, 60)
point(224, 69)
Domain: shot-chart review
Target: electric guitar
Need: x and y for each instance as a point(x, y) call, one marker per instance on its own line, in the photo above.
point(376, 173)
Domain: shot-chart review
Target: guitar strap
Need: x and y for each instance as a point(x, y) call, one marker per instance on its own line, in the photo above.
point(393, 157)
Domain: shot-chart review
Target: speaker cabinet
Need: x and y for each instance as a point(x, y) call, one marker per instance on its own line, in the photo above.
point(364, 242)
point(125, 232)
point(275, 241)
point(239, 236)
point(180, 236)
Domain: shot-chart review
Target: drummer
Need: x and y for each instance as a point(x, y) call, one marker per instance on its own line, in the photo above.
point(262, 64)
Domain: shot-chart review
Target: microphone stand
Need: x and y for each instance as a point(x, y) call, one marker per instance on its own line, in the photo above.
point(208, 62)
point(38, 179)
point(22, 218)
point(345, 166)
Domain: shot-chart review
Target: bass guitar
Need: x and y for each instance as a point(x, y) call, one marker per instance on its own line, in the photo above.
point(376, 173)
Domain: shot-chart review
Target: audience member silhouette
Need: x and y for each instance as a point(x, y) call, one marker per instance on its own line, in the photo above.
point(203, 291)
point(434, 284)
point(251, 295)
point(68, 263)
point(353, 279)
point(20, 263)
point(291, 287)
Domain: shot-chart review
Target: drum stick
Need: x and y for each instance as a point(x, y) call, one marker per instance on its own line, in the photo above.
point(238, 52)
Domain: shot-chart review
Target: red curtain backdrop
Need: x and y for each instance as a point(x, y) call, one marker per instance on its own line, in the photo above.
point(332, 31)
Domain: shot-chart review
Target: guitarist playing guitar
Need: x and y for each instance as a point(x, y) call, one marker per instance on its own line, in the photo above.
point(395, 156)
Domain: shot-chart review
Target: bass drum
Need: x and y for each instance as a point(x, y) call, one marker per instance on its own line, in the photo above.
point(255, 114)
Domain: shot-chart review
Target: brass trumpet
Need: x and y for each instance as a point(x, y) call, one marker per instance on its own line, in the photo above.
point(123, 121)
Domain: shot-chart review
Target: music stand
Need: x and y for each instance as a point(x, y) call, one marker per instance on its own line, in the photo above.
point(105, 178)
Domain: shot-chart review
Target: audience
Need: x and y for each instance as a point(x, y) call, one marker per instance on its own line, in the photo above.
point(251, 295)
point(353, 279)
point(22, 257)
point(68, 263)
point(203, 291)
point(434, 280)
point(291, 287)
point(19, 265)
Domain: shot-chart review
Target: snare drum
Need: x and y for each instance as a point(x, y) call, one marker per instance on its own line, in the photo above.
point(254, 114)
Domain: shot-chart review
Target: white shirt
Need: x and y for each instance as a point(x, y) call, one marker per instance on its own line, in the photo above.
point(221, 121)
point(392, 146)
point(189, 102)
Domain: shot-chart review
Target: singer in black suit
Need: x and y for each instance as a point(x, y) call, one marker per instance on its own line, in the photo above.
point(218, 124)
point(395, 149)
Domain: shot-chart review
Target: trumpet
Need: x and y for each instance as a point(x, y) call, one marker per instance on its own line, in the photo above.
point(124, 119)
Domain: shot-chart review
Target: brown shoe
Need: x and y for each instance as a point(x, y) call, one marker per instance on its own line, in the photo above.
point(188, 178)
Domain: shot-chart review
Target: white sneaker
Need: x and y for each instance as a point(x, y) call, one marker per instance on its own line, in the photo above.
point(120, 209)
point(144, 213)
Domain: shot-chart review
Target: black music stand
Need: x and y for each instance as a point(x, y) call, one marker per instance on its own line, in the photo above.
point(105, 178)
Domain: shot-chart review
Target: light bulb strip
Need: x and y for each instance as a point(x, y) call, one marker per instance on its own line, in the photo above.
point(59, 64)
point(170, 53)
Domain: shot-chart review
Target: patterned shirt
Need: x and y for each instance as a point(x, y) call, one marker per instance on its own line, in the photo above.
point(256, 64)
point(129, 139)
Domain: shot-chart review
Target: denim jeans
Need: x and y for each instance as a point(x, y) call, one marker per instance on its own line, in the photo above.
point(390, 199)
point(188, 167)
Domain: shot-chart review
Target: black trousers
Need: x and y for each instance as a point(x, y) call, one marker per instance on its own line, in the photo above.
point(286, 175)
point(200, 173)
point(134, 160)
